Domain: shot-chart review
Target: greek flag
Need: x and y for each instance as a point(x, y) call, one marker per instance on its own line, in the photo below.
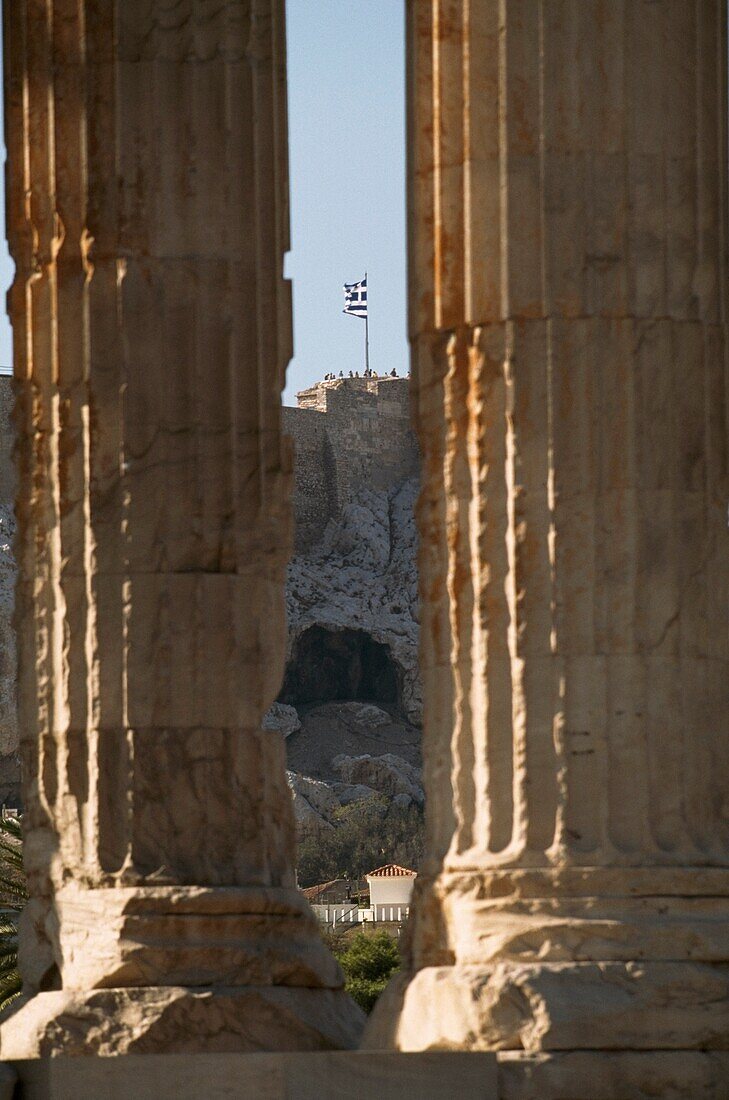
point(355, 298)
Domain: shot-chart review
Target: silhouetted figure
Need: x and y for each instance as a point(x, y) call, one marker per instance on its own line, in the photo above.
point(341, 374)
point(393, 373)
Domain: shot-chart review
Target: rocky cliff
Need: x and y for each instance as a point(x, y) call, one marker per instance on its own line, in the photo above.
point(351, 699)
point(362, 576)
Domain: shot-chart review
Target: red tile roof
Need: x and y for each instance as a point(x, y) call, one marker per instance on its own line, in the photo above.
point(391, 870)
point(312, 892)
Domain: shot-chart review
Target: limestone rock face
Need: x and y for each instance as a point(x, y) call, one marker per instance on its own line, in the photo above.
point(362, 575)
point(388, 774)
point(282, 718)
point(314, 801)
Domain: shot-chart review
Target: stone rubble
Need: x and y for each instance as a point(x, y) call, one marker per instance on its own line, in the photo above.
point(283, 718)
point(387, 774)
point(316, 801)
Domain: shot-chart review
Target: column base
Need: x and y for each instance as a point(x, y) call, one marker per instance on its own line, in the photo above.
point(172, 968)
point(188, 936)
point(178, 1019)
point(548, 1007)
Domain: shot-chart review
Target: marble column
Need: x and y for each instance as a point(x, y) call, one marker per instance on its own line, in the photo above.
point(568, 321)
point(148, 219)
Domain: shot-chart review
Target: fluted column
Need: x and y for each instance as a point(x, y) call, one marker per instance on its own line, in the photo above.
point(148, 217)
point(568, 306)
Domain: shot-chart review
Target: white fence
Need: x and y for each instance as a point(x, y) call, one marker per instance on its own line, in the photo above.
point(390, 912)
point(335, 916)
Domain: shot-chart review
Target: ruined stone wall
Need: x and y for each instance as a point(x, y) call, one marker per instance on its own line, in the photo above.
point(314, 501)
point(348, 433)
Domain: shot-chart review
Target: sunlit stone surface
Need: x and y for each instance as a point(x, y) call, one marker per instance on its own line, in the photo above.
point(568, 238)
point(568, 190)
point(148, 221)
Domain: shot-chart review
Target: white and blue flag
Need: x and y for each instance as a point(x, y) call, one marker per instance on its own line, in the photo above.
point(355, 298)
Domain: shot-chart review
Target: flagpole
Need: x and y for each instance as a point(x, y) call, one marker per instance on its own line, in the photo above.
point(367, 330)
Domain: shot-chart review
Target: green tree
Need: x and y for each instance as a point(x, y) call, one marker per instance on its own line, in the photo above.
point(368, 962)
point(365, 835)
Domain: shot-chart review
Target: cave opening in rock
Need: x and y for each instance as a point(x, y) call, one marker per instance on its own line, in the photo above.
point(334, 665)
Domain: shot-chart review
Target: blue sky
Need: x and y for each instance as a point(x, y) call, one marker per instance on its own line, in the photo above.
point(346, 69)
point(347, 147)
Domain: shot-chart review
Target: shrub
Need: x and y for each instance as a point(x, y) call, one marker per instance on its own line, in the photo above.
point(368, 962)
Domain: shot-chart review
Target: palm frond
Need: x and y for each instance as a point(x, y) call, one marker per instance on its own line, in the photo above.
point(12, 872)
point(11, 854)
point(11, 987)
point(10, 825)
point(13, 889)
point(13, 895)
point(8, 963)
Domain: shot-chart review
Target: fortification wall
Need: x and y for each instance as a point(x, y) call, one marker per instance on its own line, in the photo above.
point(313, 504)
point(347, 433)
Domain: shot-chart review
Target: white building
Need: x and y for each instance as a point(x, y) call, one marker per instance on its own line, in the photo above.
point(391, 888)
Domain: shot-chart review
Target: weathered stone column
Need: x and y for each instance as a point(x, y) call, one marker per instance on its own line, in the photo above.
point(148, 220)
point(568, 307)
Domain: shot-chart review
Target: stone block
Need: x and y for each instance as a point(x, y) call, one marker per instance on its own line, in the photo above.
point(552, 1006)
point(604, 1075)
point(8, 1081)
point(318, 1076)
point(109, 1023)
